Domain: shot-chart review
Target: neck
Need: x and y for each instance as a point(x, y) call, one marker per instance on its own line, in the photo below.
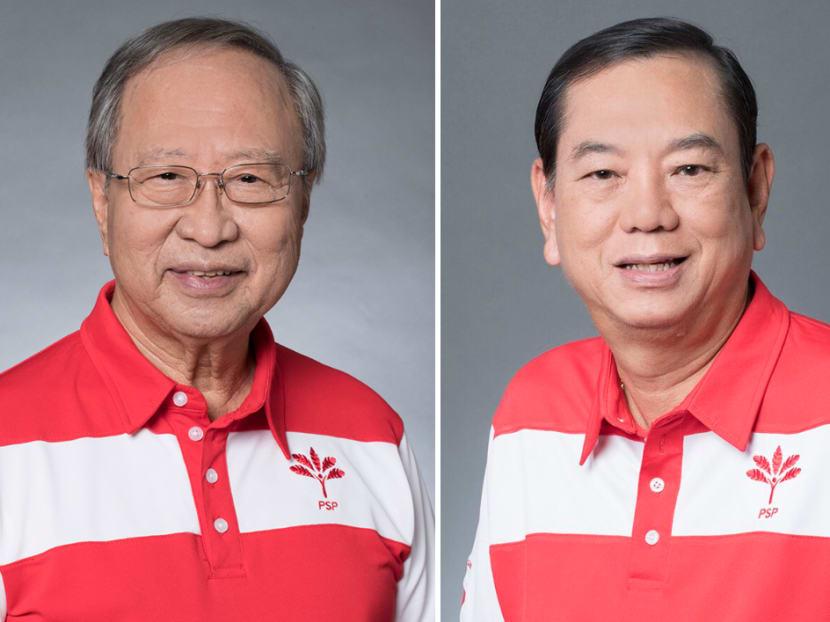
point(658, 368)
point(222, 370)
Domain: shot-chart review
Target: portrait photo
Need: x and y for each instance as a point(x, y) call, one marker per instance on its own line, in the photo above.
point(247, 191)
point(575, 521)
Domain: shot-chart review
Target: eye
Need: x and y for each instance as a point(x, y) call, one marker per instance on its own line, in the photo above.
point(160, 177)
point(248, 179)
point(691, 170)
point(603, 174)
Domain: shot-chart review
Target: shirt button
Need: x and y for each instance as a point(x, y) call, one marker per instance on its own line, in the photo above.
point(657, 484)
point(221, 525)
point(211, 476)
point(195, 433)
point(180, 398)
point(652, 536)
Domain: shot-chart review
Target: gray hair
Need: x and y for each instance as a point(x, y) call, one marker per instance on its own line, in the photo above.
point(139, 52)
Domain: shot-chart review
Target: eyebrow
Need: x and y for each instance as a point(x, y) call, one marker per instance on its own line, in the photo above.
point(155, 154)
point(695, 141)
point(692, 141)
point(590, 146)
point(258, 155)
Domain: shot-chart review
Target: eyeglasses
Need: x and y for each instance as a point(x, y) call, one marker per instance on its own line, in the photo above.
point(174, 186)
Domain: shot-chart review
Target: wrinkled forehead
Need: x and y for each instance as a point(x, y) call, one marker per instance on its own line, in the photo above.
point(201, 56)
point(205, 81)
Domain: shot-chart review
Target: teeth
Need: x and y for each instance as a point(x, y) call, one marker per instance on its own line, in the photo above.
point(651, 267)
point(208, 274)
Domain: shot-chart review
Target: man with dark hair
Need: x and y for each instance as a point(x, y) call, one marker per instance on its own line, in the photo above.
point(669, 469)
point(182, 465)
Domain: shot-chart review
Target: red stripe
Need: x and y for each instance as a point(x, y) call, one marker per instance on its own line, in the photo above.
point(325, 572)
point(587, 578)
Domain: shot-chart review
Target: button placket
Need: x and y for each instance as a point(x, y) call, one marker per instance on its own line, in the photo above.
point(656, 498)
point(203, 450)
point(220, 535)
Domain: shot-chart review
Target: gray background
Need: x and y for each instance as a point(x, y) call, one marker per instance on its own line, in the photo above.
point(363, 297)
point(501, 304)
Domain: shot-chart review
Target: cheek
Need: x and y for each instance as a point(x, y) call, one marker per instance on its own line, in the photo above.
point(276, 243)
point(719, 215)
point(136, 237)
point(583, 223)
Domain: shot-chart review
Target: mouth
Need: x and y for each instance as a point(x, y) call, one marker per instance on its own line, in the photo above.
point(209, 275)
point(206, 279)
point(205, 270)
point(650, 264)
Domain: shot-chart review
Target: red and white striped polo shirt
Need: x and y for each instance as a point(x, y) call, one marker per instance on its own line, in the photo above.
point(720, 512)
point(121, 500)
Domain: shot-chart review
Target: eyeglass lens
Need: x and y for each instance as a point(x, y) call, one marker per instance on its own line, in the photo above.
point(166, 186)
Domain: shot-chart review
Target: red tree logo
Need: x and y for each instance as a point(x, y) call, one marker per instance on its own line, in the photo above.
point(314, 469)
point(773, 475)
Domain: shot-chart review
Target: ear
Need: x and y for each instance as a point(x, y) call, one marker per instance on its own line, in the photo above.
point(546, 206)
point(304, 212)
point(100, 203)
point(307, 183)
point(758, 188)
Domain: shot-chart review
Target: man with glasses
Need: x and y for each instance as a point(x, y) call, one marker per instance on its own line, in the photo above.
point(189, 468)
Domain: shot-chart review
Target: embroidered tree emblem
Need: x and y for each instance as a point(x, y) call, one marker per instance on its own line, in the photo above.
point(775, 474)
point(313, 468)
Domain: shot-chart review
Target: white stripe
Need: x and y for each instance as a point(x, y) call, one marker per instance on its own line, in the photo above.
point(374, 492)
point(536, 485)
point(415, 600)
point(91, 489)
point(717, 498)
point(481, 603)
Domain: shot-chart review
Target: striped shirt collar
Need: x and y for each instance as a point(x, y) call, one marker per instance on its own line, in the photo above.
point(140, 389)
point(728, 397)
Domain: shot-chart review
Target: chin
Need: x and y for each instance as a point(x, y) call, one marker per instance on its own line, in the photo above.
point(209, 326)
point(649, 317)
point(650, 323)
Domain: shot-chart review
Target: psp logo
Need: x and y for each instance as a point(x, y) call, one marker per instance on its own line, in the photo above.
point(323, 471)
point(773, 474)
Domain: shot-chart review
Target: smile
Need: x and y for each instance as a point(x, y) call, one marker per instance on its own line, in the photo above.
point(653, 267)
point(206, 280)
point(651, 271)
point(207, 275)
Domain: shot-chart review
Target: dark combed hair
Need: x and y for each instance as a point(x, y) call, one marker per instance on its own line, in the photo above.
point(641, 38)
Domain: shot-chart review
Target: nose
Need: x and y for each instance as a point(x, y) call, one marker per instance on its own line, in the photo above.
point(207, 220)
point(647, 205)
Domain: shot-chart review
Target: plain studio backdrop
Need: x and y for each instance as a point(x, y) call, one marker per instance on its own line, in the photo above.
point(363, 297)
point(501, 304)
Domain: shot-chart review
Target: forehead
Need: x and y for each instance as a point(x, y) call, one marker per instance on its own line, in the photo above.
point(640, 100)
point(206, 101)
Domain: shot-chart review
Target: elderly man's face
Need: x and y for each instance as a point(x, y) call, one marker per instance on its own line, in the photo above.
point(207, 109)
point(649, 214)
